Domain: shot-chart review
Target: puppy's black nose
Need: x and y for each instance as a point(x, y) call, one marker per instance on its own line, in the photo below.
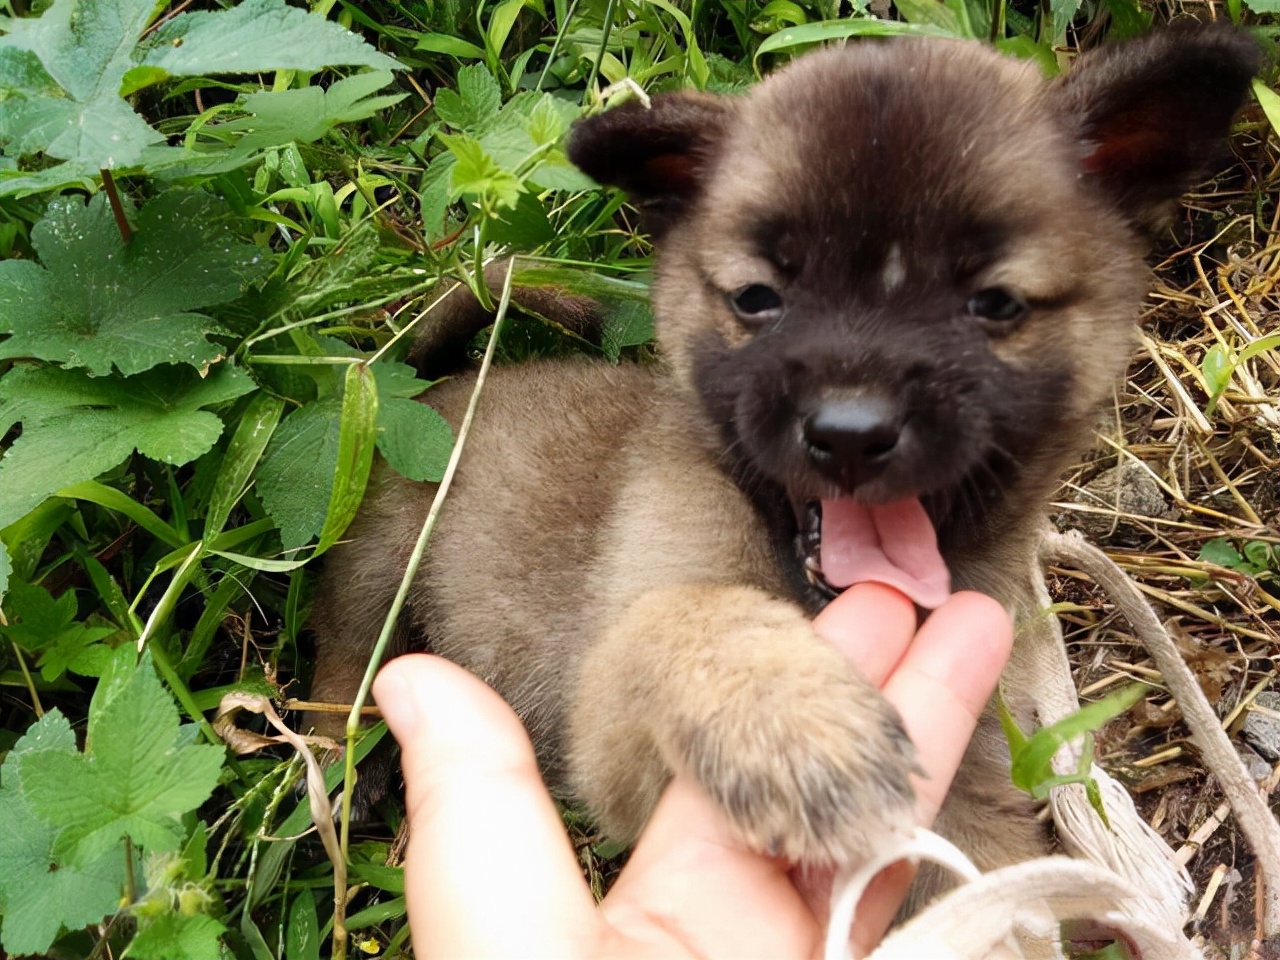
point(853, 439)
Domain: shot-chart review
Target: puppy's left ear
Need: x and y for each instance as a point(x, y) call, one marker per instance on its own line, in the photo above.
point(1153, 112)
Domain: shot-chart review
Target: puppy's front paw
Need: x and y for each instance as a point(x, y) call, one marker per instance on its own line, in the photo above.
point(812, 765)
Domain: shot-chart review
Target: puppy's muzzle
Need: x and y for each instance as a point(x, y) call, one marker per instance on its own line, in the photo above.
point(852, 439)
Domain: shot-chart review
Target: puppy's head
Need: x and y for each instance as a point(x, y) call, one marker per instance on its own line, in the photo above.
point(909, 270)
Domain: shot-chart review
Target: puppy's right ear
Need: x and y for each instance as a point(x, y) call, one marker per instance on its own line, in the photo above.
point(661, 155)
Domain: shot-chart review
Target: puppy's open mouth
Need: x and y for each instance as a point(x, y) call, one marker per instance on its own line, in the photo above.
point(843, 542)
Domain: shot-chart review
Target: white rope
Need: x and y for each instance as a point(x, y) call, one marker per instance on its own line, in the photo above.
point(850, 884)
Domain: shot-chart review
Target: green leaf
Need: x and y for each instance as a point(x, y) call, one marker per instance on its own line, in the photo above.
point(1220, 552)
point(1032, 764)
point(174, 935)
point(6, 570)
point(1261, 556)
point(930, 11)
point(41, 624)
point(296, 475)
point(1128, 19)
point(139, 774)
point(243, 453)
point(1219, 363)
point(113, 499)
point(475, 173)
point(810, 33)
point(302, 936)
point(40, 893)
point(451, 46)
point(307, 114)
point(1263, 6)
point(357, 436)
point(85, 48)
point(390, 879)
point(1064, 11)
point(35, 618)
point(76, 427)
point(63, 75)
point(475, 106)
point(415, 440)
point(26, 539)
point(97, 303)
point(257, 36)
point(1216, 367)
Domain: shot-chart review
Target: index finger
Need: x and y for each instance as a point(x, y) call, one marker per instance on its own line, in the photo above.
point(489, 866)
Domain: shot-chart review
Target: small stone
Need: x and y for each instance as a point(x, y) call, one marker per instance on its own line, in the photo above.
point(1262, 730)
point(1127, 489)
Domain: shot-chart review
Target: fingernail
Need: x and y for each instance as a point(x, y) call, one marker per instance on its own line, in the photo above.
point(395, 701)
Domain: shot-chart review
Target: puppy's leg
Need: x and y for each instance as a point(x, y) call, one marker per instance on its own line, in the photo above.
point(736, 689)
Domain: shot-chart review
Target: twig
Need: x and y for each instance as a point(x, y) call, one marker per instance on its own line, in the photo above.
point(117, 208)
point(1247, 802)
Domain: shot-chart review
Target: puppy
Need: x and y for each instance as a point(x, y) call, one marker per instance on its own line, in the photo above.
point(894, 283)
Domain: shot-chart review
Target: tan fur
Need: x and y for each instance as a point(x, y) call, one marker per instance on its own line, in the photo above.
point(597, 564)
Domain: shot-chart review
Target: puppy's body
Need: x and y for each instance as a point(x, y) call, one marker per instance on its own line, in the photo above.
point(896, 280)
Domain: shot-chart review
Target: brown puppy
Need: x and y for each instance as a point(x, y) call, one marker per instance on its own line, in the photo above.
point(895, 282)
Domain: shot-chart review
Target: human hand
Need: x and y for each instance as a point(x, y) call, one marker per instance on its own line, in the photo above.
point(489, 871)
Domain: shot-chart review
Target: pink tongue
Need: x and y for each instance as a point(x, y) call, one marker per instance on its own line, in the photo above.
point(894, 544)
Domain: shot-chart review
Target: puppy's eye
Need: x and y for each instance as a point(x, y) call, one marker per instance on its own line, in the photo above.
point(999, 306)
point(756, 304)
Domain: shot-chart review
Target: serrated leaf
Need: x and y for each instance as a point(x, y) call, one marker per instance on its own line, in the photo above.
point(475, 106)
point(174, 935)
point(89, 53)
point(257, 36)
point(549, 120)
point(41, 624)
point(137, 777)
point(96, 303)
point(76, 427)
point(475, 173)
point(415, 440)
point(85, 48)
point(307, 114)
point(296, 474)
point(397, 380)
point(41, 894)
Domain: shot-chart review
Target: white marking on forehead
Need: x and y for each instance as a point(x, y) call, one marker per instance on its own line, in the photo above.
point(894, 271)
